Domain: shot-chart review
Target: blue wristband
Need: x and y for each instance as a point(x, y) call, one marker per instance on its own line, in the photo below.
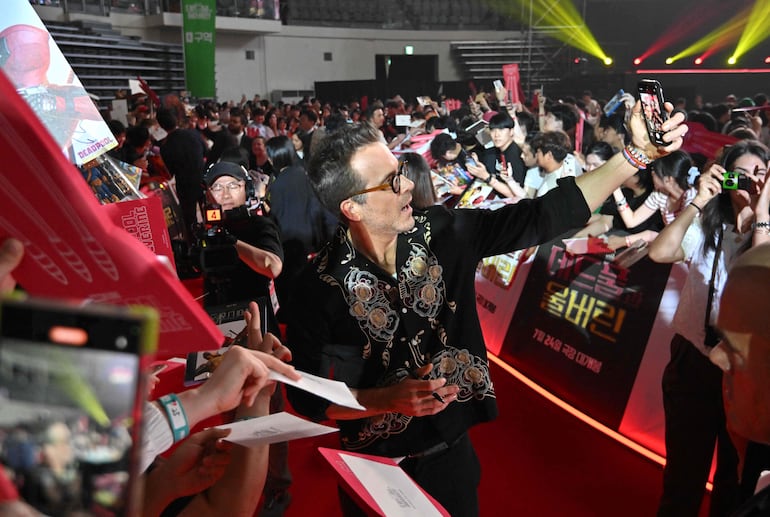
point(177, 418)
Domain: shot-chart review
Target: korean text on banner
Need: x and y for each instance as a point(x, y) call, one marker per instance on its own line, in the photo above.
point(198, 29)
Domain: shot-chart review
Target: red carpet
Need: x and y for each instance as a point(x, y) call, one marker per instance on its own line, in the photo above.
point(536, 461)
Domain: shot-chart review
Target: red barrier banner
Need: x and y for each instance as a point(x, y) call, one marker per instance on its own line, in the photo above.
point(582, 325)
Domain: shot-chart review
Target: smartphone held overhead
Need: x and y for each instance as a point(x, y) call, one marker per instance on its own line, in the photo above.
point(651, 96)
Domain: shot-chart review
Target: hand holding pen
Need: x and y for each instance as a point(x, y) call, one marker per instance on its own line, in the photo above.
point(415, 375)
point(414, 395)
point(420, 396)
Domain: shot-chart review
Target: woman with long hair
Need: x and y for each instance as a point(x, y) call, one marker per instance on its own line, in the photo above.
point(597, 155)
point(271, 121)
point(636, 189)
point(710, 231)
point(304, 224)
point(670, 176)
point(416, 168)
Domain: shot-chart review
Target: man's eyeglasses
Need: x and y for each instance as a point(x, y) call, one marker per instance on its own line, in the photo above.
point(233, 186)
point(394, 183)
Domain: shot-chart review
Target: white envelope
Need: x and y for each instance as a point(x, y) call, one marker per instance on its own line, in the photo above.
point(333, 391)
point(278, 427)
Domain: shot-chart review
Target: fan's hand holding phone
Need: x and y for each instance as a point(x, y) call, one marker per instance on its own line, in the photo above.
point(70, 393)
point(653, 110)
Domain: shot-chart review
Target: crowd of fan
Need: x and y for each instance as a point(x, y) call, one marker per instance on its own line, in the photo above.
point(519, 150)
point(531, 144)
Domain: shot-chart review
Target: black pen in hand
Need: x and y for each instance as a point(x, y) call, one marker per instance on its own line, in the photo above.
point(413, 375)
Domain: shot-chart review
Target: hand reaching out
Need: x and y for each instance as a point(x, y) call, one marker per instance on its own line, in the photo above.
point(762, 208)
point(196, 464)
point(478, 170)
point(507, 172)
point(268, 343)
point(243, 373)
point(11, 254)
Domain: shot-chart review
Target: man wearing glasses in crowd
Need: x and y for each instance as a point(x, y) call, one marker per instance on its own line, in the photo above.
point(389, 306)
point(256, 238)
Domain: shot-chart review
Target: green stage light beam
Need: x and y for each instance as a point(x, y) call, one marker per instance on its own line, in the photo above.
point(757, 29)
point(717, 38)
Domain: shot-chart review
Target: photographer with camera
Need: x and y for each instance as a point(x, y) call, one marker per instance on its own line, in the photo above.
point(708, 234)
point(240, 253)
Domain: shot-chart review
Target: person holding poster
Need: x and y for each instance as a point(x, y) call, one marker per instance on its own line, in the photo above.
point(389, 307)
point(505, 157)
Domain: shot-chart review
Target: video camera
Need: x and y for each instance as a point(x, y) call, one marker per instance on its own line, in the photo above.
point(212, 253)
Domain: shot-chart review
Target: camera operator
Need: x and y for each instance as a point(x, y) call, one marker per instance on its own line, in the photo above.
point(255, 239)
point(230, 280)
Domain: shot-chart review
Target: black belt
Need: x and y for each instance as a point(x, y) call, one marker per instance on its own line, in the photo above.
point(439, 447)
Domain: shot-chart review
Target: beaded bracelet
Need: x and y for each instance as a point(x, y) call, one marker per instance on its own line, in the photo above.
point(636, 157)
point(761, 227)
point(176, 416)
point(622, 207)
point(630, 159)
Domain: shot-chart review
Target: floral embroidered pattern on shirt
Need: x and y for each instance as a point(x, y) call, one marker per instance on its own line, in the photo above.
point(461, 368)
point(377, 427)
point(370, 306)
point(421, 283)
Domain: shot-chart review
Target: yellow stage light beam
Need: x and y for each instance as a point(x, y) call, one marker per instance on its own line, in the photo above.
point(718, 38)
point(559, 17)
point(71, 382)
point(757, 29)
point(569, 26)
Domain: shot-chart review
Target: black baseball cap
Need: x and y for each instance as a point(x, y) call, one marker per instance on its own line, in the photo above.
point(224, 169)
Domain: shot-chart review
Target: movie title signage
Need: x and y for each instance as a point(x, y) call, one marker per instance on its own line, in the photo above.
point(581, 327)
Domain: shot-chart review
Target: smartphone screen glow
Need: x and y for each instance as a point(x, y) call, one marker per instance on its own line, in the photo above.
point(65, 415)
